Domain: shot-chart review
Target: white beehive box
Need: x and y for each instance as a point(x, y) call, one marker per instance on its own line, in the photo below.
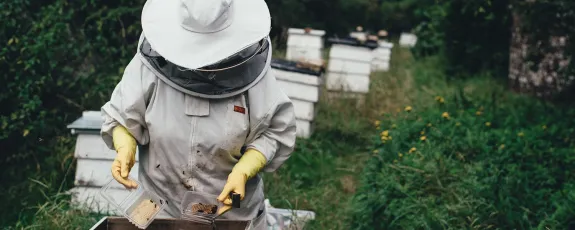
point(382, 56)
point(303, 89)
point(358, 35)
point(349, 68)
point(94, 161)
point(303, 46)
point(407, 40)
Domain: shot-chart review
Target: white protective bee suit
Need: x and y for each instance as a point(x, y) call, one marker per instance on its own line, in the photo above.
point(190, 140)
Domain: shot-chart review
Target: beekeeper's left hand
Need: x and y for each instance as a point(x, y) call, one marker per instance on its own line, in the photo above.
point(247, 167)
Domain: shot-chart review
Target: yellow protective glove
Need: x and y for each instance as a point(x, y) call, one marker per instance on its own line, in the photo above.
point(125, 146)
point(247, 167)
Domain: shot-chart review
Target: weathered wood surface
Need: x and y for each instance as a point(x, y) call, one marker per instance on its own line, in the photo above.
point(120, 223)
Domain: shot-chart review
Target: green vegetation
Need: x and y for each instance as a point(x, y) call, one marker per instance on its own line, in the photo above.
point(479, 158)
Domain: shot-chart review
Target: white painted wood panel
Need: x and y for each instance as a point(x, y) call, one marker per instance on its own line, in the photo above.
point(358, 35)
point(303, 53)
point(96, 173)
point(320, 33)
point(93, 147)
point(89, 197)
point(304, 110)
point(300, 91)
point(349, 67)
point(353, 53)
point(407, 40)
point(347, 82)
point(385, 44)
point(381, 52)
point(380, 66)
point(303, 128)
point(381, 58)
point(305, 41)
point(296, 77)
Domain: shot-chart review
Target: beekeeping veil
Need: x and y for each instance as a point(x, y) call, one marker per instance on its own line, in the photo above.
point(210, 49)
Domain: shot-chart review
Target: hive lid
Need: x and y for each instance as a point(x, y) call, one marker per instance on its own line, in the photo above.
point(293, 66)
point(90, 122)
point(353, 42)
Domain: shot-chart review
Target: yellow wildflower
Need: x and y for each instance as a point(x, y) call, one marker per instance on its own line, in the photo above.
point(412, 150)
point(445, 115)
point(439, 99)
point(544, 127)
point(385, 133)
point(458, 124)
point(26, 132)
point(377, 123)
point(408, 109)
point(520, 134)
point(384, 138)
point(478, 113)
point(502, 146)
point(400, 155)
point(429, 125)
point(488, 124)
point(422, 132)
point(423, 138)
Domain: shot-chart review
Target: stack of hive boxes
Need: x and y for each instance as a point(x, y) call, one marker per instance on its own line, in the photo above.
point(382, 56)
point(94, 161)
point(349, 67)
point(305, 45)
point(302, 86)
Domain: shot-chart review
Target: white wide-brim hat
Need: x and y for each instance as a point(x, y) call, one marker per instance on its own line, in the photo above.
point(198, 33)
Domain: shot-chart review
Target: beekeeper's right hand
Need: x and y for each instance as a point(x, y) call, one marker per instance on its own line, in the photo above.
point(125, 146)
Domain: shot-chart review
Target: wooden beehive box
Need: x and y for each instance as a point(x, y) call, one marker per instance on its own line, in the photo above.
point(407, 40)
point(382, 56)
point(120, 223)
point(349, 65)
point(304, 44)
point(358, 35)
point(302, 86)
point(94, 161)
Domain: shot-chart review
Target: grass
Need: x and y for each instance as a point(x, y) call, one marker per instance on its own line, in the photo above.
point(322, 174)
point(323, 171)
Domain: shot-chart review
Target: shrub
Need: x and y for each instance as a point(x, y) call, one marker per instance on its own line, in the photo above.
point(489, 164)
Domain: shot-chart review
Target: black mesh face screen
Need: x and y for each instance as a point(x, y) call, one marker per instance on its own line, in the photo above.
point(233, 73)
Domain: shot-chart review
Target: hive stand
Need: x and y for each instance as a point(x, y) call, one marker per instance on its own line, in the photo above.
point(305, 45)
point(349, 68)
point(94, 162)
point(382, 56)
point(302, 86)
point(407, 40)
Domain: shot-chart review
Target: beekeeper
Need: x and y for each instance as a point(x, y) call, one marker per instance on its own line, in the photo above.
point(199, 100)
